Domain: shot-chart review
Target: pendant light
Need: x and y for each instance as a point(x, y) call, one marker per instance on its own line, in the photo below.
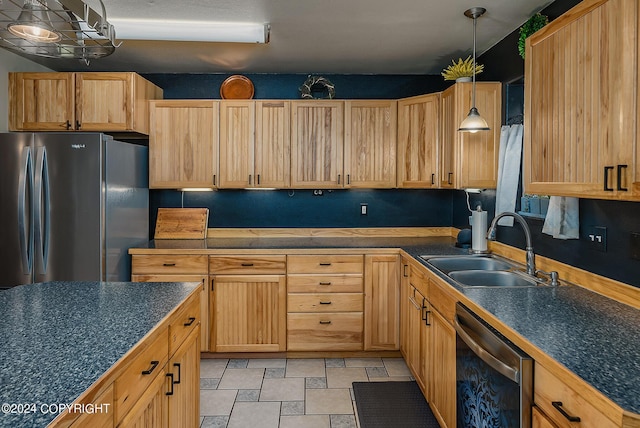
point(34, 24)
point(474, 122)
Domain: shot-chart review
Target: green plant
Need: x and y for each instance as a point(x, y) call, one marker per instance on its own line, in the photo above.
point(462, 68)
point(532, 25)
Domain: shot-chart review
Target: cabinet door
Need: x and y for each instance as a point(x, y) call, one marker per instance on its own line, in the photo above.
point(370, 144)
point(580, 103)
point(317, 144)
point(183, 144)
point(382, 298)
point(151, 409)
point(237, 138)
point(273, 144)
point(405, 289)
point(184, 402)
point(104, 101)
point(250, 313)
point(470, 160)
point(442, 355)
point(41, 101)
point(418, 140)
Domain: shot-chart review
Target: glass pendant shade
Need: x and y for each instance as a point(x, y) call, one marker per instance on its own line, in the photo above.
point(474, 122)
point(33, 24)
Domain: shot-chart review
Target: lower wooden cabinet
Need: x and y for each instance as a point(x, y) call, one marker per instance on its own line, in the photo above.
point(559, 402)
point(540, 420)
point(151, 409)
point(249, 313)
point(381, 302)
point(442, 369)
point(184, 395)
point(325, 302)
point(99, 419)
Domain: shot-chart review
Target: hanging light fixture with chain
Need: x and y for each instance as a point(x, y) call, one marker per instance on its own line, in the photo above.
point(474, 122)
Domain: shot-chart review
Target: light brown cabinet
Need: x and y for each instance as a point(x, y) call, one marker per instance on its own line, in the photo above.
point(370, 144)
point(381, 302)
point(116, 102)
point(254, 144)
point(418, 141)
point(176, 268)
point(325, 303)
point(470, 160)
point(581, 85)
point(317, 144)
point(559, 402)
point(184, 394)
point(247, 303)
point(183, 144)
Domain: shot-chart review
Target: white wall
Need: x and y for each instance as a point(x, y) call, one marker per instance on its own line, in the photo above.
point(11, 62)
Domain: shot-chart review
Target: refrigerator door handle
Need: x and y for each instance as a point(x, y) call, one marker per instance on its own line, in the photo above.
point(42, 213)
point(25, 226)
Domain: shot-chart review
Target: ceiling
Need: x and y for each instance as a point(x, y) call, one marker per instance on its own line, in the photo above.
point(313, 36)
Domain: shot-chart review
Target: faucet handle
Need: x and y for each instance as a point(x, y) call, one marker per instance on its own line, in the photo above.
point(553, 277)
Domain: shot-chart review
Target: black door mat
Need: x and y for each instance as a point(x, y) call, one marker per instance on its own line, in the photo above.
point(392, 405)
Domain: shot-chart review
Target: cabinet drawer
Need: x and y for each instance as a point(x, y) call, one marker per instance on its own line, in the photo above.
point(418, 278)
point(248, 265)
point(325, 264)
point(183, 323)
point(140, 372)
point(324, 332)
point(166, 264)
point(324, 283)
point(441, 300)
point(325, 302)
point(548, 389)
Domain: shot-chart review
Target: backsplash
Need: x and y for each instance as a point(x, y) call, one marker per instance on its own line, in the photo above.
point(301, 208)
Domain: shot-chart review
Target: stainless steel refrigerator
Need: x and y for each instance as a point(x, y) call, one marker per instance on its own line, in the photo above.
point(71, 204)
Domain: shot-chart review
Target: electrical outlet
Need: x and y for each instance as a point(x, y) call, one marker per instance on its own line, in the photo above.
point(364, 209)
point(597, 236)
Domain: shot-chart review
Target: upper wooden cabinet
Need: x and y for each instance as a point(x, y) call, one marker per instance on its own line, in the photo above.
point(581, 93)
point(254, 144)
point(418, 141)
point(116, 102)
point(317, 142)
point(183, 144)
point(470, 160)
point(370, 143)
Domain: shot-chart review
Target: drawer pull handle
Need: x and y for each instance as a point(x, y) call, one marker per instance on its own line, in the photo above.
point(247, 264)
point(168, 264)
point(325, 264)
point(325, 322)
point(619, 178)
point(606, 179)
point(326, 303)
point(191, 321)
point(558, 406)
point(325, 283)
point(179, 375)
point(170, 383)
point(150, 370)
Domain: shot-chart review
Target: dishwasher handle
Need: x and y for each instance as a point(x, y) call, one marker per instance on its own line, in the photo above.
point(503, 368)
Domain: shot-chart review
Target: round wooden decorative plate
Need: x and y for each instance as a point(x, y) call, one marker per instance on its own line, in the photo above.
point(236, 87)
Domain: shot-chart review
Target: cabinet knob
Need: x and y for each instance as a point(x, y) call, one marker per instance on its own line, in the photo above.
point(325, 303)
point(325, 322)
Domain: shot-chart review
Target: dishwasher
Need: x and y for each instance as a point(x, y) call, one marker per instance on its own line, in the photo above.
point(494, 378)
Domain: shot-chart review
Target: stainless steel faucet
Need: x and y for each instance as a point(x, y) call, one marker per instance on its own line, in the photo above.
point(531, 257)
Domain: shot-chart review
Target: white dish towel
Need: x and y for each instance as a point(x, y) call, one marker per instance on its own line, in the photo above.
point(563, 218)
point(508, 171)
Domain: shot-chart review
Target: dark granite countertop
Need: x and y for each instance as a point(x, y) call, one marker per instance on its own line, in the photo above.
point(58, 338)
point(595, 337)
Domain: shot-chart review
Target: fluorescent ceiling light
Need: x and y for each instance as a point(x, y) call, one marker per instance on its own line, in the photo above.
point(191, 31)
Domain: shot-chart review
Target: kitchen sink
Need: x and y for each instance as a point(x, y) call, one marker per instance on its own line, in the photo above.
point(464, 263)
point(482, 271)
point(491, 278)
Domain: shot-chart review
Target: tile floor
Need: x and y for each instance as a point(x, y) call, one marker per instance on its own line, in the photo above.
point(288, 393)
